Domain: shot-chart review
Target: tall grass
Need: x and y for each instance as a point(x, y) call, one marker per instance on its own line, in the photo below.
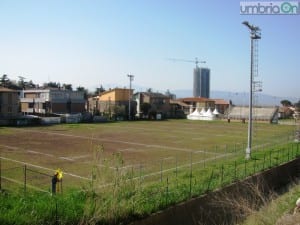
point(278, 211)
point(41, 208)
point(126, 196)
point(117, 195)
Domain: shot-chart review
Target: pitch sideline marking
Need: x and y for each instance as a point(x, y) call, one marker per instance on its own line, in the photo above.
point(44, 168)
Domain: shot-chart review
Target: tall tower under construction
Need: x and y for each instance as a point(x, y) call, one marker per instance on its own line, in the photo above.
point(201, 82)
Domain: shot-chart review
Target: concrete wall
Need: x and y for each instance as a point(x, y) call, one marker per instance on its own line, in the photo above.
point(50, 120)
point(215, 207)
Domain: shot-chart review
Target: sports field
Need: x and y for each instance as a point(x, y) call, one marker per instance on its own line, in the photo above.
point(150, 146)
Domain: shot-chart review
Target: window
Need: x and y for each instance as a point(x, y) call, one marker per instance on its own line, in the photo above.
point(9, 98)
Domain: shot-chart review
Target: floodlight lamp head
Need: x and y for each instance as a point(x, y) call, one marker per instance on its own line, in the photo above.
point(251, 27)
point(256, 28)
point(246, 23)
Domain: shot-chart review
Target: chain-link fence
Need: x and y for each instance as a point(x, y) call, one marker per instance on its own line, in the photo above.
point(145, 188)
point(25, 177)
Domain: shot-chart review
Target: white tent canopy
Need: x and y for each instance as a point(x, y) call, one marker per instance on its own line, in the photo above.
point(215, 112)
point(202, 115)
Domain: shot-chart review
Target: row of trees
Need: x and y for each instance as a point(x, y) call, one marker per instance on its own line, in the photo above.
point(22, 84)
point(288, 103)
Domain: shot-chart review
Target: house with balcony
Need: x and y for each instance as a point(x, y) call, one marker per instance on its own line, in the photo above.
point(152, 105)
point(52, 101)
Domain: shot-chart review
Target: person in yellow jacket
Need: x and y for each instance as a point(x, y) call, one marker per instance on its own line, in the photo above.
point(55, 179)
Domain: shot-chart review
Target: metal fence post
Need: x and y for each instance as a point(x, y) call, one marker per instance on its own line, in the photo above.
point(234, 170)
point(0, 174)
point(140, 174)
point(167, 191)
point(216, 149)
point(204, 158)
point(270, 161)
point(25, 177)
point(222, 174)
point(245, 168)
point(211, 177)
point(61, 186)
point(56, 212)
point(176, 166)
point(161, 169)
point(191, 174)
point(264, 161)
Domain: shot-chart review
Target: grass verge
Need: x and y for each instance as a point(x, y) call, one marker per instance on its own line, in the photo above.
point(118, 196)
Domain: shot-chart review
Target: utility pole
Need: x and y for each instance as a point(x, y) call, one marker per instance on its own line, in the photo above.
point(254, 35)
point(129, 101)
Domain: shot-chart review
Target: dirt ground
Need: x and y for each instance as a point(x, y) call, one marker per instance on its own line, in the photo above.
point(150, 145)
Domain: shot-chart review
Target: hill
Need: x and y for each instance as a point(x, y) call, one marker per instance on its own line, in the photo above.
point(241, 98)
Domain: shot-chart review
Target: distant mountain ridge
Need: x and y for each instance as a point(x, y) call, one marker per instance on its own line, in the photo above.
point(241, 98)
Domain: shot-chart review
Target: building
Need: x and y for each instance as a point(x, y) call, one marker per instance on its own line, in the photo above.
point(152, 105)
point(221, 105)
point(190, 104)
point(201, 82)
point(57, 101)
point(113, 103)
point(9, 104)
point(179, 109)
point(199, 102)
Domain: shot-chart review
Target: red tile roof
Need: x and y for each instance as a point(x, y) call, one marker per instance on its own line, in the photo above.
point(221, 102)
point(195, 99)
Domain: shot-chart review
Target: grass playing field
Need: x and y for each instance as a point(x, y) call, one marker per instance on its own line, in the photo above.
point(150, 145)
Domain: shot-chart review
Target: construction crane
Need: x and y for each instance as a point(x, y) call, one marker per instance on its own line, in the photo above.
point(196, 61)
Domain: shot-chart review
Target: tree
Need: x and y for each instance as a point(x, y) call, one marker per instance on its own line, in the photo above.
point(21, 82)
point(68, 87)
point(145, 107)
point(170, 95)
point(286, 103)
point(30, 84)
point(297, 106)
point(119, 111)
point(51, 85)
point(99, 90)
point(79, 88)
point(5, 81)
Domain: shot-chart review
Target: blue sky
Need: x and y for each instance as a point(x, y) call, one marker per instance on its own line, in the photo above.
point(93, 42)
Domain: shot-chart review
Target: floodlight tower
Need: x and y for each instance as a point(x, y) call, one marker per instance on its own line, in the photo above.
point(254, 35)
point(129, 101)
